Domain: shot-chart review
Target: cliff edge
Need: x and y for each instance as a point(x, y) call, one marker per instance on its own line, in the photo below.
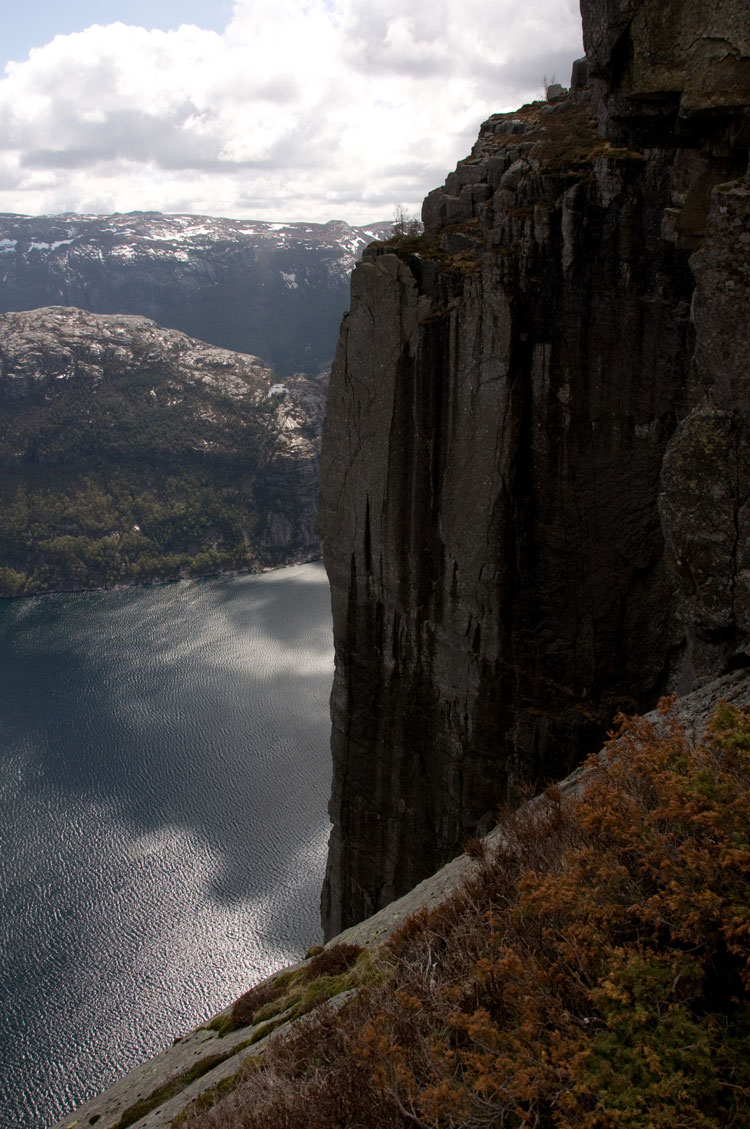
point(535, 464)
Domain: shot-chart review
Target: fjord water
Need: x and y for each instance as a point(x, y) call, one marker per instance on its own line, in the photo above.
point(163, 784)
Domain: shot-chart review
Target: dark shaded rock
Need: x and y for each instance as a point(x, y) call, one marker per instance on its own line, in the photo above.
point(660, 62)
point(706, 476)
point(491, 464)
point(579, 75)
point(515, 398)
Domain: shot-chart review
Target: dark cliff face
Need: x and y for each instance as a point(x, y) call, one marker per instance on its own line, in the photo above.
point(671, 69)
point(515, 397)
point(272, 289)
point(130, 452)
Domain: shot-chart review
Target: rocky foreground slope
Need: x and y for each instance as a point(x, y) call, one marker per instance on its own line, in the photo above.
point(273, 289)
point(536, 469)
point(130, 452)
point(433, 1020)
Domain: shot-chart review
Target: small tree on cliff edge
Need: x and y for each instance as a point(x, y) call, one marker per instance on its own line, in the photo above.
point(404, 224)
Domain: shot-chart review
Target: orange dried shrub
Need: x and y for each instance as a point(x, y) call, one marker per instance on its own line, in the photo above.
point(593, 974)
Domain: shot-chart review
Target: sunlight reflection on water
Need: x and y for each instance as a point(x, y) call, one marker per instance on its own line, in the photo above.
point(164, 773)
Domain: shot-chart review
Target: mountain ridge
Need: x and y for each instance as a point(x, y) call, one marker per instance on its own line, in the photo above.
point(275, 290)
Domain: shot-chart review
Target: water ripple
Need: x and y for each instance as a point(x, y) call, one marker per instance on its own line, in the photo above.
point(163, 780)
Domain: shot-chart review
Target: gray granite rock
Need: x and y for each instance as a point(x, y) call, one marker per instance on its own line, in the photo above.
point(555, 92)
point(657, 63)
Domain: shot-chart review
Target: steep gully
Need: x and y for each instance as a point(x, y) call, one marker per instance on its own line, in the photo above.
point(535, 468)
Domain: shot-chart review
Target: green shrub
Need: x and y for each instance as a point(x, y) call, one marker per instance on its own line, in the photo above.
point(332, 961)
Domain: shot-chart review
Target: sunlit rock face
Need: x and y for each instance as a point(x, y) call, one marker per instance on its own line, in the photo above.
point(44, 351)
point(272, 289)
point(534, 461)
point(131, 452)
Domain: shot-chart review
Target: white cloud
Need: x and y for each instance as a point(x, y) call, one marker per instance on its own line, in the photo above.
point(303, 109)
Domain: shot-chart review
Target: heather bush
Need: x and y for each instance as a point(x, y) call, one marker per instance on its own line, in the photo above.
point(246, 1008)
point(593, 973)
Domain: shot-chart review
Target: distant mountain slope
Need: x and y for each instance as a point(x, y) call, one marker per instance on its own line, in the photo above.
point(273, 289)
point(130, 452)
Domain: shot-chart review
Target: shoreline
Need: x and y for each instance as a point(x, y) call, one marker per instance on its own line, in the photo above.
point(156, 583)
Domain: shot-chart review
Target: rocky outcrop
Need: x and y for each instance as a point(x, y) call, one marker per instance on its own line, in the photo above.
point(131, 452)
point(273, 289)
point(706, 474)
point(534, 496)
point(44, 352)
point(291, 483)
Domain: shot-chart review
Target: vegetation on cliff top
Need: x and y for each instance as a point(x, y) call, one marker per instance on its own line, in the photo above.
point(593, 974)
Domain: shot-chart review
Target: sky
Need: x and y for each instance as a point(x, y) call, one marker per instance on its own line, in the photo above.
point(260, 109)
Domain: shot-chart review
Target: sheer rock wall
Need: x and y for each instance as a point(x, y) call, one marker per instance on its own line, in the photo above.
point(534, 464)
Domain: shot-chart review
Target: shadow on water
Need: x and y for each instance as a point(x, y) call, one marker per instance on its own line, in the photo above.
point(204, 706)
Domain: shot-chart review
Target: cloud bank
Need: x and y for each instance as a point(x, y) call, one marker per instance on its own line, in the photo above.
point(303, 109)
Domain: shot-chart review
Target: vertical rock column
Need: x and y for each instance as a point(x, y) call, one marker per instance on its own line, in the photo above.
point(499, 409)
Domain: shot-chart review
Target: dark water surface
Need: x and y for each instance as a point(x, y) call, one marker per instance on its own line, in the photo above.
point(164, 773)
